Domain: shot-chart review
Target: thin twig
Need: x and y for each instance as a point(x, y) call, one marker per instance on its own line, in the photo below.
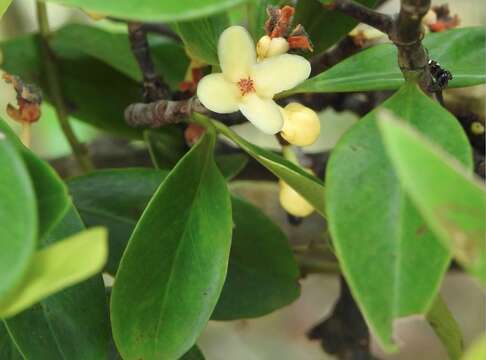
point(54, 86)
point(154, 86)
point(363, 14)
point(162, 112)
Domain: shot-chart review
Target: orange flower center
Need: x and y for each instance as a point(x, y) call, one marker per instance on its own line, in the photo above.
point(246, 86)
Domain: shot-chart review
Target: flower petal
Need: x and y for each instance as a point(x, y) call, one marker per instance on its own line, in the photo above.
point(236, 52)
point(279, 73)
point(263, 113)
point(217, 94)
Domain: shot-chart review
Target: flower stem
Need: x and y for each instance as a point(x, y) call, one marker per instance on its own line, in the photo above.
point(54, 87)
point(25, 135)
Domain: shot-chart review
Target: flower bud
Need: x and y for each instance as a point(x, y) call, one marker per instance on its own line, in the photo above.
point(262, 46)
point(268, 47)
point(292, 202)
point(301, 125)
point(429, 18)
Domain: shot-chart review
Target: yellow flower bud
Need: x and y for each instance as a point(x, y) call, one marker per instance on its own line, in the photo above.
point(301, 125)
point(262, 46)
point(293, 202)
point(278, 46)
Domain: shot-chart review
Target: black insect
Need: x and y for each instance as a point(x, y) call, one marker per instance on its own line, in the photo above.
point(440, 76)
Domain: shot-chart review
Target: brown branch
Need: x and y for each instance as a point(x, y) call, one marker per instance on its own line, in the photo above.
point(363, 14)
point(405, 31)
point(162, 112)
point(154, 86)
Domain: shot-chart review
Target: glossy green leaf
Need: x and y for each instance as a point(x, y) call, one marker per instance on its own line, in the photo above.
point(174, 267)
point(114, 199)
point(4, 4)
point(461, 51)
point(153, 10)
point(325, 27)
point(57, 267)
point(201, 36)
point(231, 165)
point(477, 351)
point(50, 191)
point(310, 187)
point(71, 324)
point(450, 200)
point(114, 50)
point(95, 93)
point(262, 273)
point(446, 328)
point(18, 217)
point(166, 146)
point(391, 260)
point(8, 349)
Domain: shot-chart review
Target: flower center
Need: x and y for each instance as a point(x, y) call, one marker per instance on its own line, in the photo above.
point(246, 86)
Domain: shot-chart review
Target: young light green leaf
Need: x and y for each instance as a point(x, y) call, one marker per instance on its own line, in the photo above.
point(392, 261)
point(57, 267)
point(71, 324)
point(307, 185)
point(324, 26)
point(477, 351)
point(153, 10)
point(114, 199)
point(173, 269)
point(4, 4)
point(262, 273)
point(446, 328)
point(450, 200)
point(201, 36)
point(461, 51)
point(18, 216)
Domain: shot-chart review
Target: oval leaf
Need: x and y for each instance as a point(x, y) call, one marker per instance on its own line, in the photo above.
point(56, 267)
point(153, 10)
point(461, 51)
point(18, 217)
point(390, 259)
point(173, 269)
point(71, 324)
point(262, 273)
point(450, 200)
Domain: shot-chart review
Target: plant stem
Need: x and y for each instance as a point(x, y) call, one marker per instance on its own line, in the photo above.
point(25, 134)
point(55, 92)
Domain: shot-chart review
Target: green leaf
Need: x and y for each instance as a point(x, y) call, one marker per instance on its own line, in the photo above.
point(166, 146)
point(450, 200)
point(50, 191)
point(231, 165)
point(57, 267)
point(446, 328)
point(4, 4)
point(307, 185)
point(461, 51)
point(95, 92)
point(114, 50)
point(8, 349)
point(71, 324)
point(201, 37)
point(262, 273)
point(114, 199)
point(391, 260)
point(477, 351)
point(18, 217)
point(153, 10)
point(174, 267)
point(325, 27)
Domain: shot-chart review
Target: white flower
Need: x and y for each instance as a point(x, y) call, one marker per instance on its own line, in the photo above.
point(249, 86)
